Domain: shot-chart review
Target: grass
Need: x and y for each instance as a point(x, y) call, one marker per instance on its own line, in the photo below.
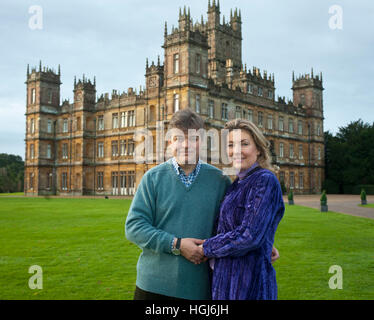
point(81, 247)
point(369, 205)
point(12, 194)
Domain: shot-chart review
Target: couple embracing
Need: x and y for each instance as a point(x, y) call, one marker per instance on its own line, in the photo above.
point(203, 237)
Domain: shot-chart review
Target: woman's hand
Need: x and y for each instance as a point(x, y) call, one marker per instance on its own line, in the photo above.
point(191, 250)
point(274, 255)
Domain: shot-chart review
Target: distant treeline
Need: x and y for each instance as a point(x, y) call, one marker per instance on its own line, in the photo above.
point(350, 159)
point(11, 173)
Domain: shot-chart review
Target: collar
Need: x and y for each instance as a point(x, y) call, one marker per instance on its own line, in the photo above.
point(245, 173)
point(178, 168)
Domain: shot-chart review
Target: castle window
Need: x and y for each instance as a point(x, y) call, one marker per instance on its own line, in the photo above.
point(100, 180)
point(198, 109)
point(49, 126)
point(65, 151)
point(100, 122)
point(224, 112)
point(31, 181)
point(291, 151)
point(131, 118)
point(290, 125)
point(238, 113)
point(131, 147)
point(114, 148)
point(281, 176)
point(270, 122)
point(32, 154)
point(260, 119)
point(270, 94)
point(64, 181)
point(65, 126)
point(49, 95)
point(100, 150)
point(49, 180)
point(292, 180)
point(260, 91)
point(176, 102)
point(123, 119)
point(281, 124)
point(115, 121)
point(32, 96)
point(300, 127)
point(301, 180)
point(123, 147)
point(176, 63)
point(250, 88)
point(319, 153)
point(301, 151)
point(211, 109)
point(318, 130)
point(32, 126)
point(281, 150)
point(250, 115)
point(198, 63)
point(49, 151)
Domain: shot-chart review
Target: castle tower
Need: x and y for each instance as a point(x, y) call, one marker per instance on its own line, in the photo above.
point(42, 109)
point(308, 94)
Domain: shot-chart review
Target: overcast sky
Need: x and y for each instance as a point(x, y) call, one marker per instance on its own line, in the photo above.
point(112, 39)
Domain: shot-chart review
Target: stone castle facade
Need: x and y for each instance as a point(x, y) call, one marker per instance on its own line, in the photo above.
point(87, 147)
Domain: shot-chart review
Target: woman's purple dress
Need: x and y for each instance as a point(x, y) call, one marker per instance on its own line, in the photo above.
point(249, 216)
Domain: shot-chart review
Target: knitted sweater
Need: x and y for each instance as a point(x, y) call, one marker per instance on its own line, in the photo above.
point(164, 208)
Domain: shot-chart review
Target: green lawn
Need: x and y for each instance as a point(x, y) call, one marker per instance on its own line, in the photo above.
point(81, 247)
point(369, 205)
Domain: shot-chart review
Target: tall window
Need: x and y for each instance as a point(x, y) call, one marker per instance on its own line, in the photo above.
point(31, 181)
point(176, 63)
point(65, 151)
point(198, 108)
point(32, 96)
point(224, 112)
point(65, 126)
point(281, 124)
point(300, 127)
point(301, 180)
point(260, 91)
point(114, 148)
point(250, 115)
point(260, 122)
point(64, 181)
point(292, 180)
point(100, 180)
point(49, 126)
point(176, 102)
point(270, 122)
point(211, 109)
point(115, 121)
point(318, 130)
point(49, 151)
point(281, 150)
point(291, 151)
point(123, 119)
point(131, 147)
point(123, 147)
point(131, 118)
point(270, 94)
point(100, 122)
point(290, 125)
point(100, 150)
point(32, 126)
point(238, 113)
point(49, 95)
point(301, 151)
point(281, 176)
point(198, 63)
point(319, 153)
point(250, 88)
point(32, 152)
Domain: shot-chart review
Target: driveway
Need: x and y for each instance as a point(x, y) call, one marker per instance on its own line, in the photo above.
point(343, 203)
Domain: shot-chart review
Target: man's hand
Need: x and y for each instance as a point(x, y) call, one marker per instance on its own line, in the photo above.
point(274, 255)
point(191, 251)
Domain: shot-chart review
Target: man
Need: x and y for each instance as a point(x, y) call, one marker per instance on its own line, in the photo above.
point(175, 206)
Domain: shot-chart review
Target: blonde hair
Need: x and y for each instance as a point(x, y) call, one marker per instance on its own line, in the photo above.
point(262, 144)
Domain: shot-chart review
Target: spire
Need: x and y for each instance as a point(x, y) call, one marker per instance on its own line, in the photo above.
point(40, 65)
point(180, 12)
point(94, 81)
point(166, 29)
point(28, 70)
point(158, 60)
point(293, 75)
point(312, 74)
point(59, 70)
point(146, 63)
point(75, 81)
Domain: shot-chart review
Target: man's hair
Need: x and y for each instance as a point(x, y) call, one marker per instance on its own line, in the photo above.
point(186, 119)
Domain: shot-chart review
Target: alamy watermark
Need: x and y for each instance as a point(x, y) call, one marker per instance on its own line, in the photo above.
point(36, 280)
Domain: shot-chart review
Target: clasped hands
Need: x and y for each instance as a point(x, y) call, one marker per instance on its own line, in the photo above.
point(192, 250)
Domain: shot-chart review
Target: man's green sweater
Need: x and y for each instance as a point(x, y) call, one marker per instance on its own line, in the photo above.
point(164, 208)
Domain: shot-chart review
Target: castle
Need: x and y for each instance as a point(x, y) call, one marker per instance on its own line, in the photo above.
point(87, 147)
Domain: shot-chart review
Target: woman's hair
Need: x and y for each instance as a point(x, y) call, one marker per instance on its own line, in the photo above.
point(262, 145)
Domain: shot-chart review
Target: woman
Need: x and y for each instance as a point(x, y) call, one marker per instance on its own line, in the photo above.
point(249, 216)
